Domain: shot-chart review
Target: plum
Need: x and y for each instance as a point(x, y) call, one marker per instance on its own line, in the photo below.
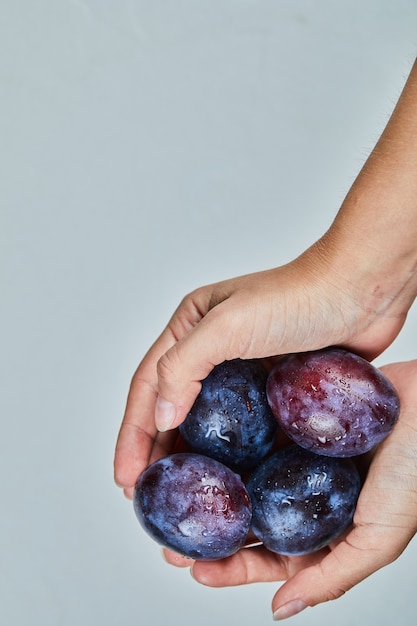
point(301, 500)
point(231, 420)
point(193, 505)
point(332, 401)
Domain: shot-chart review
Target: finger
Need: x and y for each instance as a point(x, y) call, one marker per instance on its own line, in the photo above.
point(178, 560)
point(135, 450)
point(365, 550)
point(128, 466)
point(180, 372)
point(224, 333)
point(244, 318)
point(136, 435)
point(249, 565)
point(137, 441)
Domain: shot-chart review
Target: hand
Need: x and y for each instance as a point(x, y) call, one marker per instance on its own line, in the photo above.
point(305, 305)
point(384, 523)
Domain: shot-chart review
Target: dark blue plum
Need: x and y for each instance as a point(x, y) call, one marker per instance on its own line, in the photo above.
point(301, 500)
point(231, 420)
point(332, 401)
point(193, 505)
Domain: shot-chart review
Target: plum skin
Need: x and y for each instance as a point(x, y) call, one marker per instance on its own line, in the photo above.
point(332, 401)
point(231, 419)
point(302, 501)
point(193, 505)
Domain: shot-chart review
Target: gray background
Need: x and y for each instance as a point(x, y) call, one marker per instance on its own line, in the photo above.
point(149, 147)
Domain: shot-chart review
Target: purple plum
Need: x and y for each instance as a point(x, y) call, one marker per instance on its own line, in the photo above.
point(231, 420)
point(301, 500)
point(332, 401)
point(193, 505)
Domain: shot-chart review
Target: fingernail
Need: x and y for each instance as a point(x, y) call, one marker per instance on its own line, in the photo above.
point(164, 414)
point(289, 609)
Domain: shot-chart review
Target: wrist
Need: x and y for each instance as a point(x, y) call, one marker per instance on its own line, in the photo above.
point(364, 309)
point(375, 259)
point(372, 244)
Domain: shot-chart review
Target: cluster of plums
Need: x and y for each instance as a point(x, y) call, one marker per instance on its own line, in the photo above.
point(331, 404)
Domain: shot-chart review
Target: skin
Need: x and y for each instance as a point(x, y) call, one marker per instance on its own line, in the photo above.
point(352, 288)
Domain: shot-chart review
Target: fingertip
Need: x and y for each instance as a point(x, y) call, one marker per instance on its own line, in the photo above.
point(175, 559)
point(169, 415)
point(128, 492)
point(291, 608)
point(123, 479)
point(116, 481)
point(202, 573)
point(165, 414)
point(325, 579)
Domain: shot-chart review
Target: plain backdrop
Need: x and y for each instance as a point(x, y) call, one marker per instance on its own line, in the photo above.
point(148, 147)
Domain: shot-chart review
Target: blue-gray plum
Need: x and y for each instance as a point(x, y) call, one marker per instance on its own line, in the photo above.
point(332, 401)
point(231, 420)
point(301, 500)
point(193, 505)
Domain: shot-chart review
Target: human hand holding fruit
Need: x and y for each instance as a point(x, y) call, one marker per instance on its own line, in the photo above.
point(352, 288)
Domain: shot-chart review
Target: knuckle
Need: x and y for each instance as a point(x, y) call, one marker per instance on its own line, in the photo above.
point(338, 592)
point(193, 299)
point(166, 365)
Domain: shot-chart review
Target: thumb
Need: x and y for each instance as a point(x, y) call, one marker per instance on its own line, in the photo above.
point(219, 336)
point(364, 550)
